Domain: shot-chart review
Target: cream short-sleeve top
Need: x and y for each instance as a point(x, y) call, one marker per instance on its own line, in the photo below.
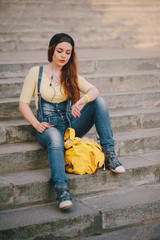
point(52, 93)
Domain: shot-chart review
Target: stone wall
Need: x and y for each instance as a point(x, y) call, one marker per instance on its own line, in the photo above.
point(28, 25)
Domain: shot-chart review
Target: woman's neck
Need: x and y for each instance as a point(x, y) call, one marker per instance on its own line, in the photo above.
point(55, 68)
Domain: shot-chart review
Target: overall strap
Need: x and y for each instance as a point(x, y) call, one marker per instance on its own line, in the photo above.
point(39, 80)
point(39, 112)
point(67, 112)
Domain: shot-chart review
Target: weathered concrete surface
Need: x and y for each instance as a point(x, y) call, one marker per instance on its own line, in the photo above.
point(139, 99)
point(131, 85)
point(44, 220)
point(28, 25)
point(106, 83)
point(25, 156)
point(33, 186)
point(82, 54)
point(90, 215)
point(134, 142)
point(122, 208)
point(18, 131)
point(121, 82)
point(147, 232)
point(21, 157)
point(104, 65)
point(9, 108)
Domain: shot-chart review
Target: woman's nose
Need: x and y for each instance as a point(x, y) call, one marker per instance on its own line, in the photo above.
point(63, 54)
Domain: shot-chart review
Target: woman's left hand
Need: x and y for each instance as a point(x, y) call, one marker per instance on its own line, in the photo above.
point(78, 106)
point(92, 94)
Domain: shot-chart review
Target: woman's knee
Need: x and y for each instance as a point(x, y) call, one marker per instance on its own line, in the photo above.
point(54, 138)
point(100, 102)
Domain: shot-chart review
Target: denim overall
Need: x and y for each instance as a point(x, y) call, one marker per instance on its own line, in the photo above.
point(56, 114)
point(59, 116)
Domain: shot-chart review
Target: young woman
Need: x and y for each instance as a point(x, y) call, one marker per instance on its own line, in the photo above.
point(61, 85)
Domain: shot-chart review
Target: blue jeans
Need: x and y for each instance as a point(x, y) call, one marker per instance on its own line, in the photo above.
point(55, 114)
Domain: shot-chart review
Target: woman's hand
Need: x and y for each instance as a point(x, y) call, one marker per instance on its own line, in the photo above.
point(78, 106)
point(42, 126)
point(92, 94)
point(29, 116)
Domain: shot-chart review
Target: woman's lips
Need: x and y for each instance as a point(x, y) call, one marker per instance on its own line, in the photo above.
point(62, 61)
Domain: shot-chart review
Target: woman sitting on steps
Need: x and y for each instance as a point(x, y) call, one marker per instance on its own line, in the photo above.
point(60, 82)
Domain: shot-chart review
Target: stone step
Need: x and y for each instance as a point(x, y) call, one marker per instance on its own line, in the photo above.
point(21, 27)
point(138, 99)
point(31, 187)
point(16, 131)
point(81, 8)
point(138, 141)
point(85, 20)
point(30, 155)
point(25, 43)
point(31, 37)
point(145, 231)
point(10, 110)
point(90, 54)
point(73, 10)
point(98, 61)
point(77, 12)
point(30, 33)
point(134, 81)
point(91, 214)
point(130, 42)
point(80, 2)
point(30, 30)
point(22, 156)
point(119, 100)
point(96, 23)
point(125, 2)
point(11, 87)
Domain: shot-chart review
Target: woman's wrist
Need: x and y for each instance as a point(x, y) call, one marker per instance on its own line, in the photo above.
point(86, 97)
point(35, 123)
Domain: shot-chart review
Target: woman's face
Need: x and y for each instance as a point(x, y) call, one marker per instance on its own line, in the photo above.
point(62, 54)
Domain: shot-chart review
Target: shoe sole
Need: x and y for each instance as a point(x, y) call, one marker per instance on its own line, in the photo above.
point(66, 207)
point(112, 170)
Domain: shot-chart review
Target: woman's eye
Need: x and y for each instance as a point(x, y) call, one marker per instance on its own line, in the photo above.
point(59, 51)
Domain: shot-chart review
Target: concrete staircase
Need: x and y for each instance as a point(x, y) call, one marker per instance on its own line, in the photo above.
point(113, 206)
point(27, 25)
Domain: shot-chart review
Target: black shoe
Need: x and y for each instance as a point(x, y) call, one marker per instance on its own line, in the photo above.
point(111, 161)
point(63, 197)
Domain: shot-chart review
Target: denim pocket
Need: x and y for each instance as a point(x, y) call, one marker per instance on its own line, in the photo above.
point(56, 120)
point(53, 121)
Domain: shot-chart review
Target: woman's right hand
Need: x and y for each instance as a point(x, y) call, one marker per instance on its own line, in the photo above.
point(42, 126)
point(29, 116)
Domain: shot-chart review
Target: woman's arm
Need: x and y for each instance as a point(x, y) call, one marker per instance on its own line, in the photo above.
point(29, 116)
point(92, 94)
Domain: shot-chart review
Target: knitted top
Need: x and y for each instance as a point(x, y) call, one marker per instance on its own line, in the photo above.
point(49, 93)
